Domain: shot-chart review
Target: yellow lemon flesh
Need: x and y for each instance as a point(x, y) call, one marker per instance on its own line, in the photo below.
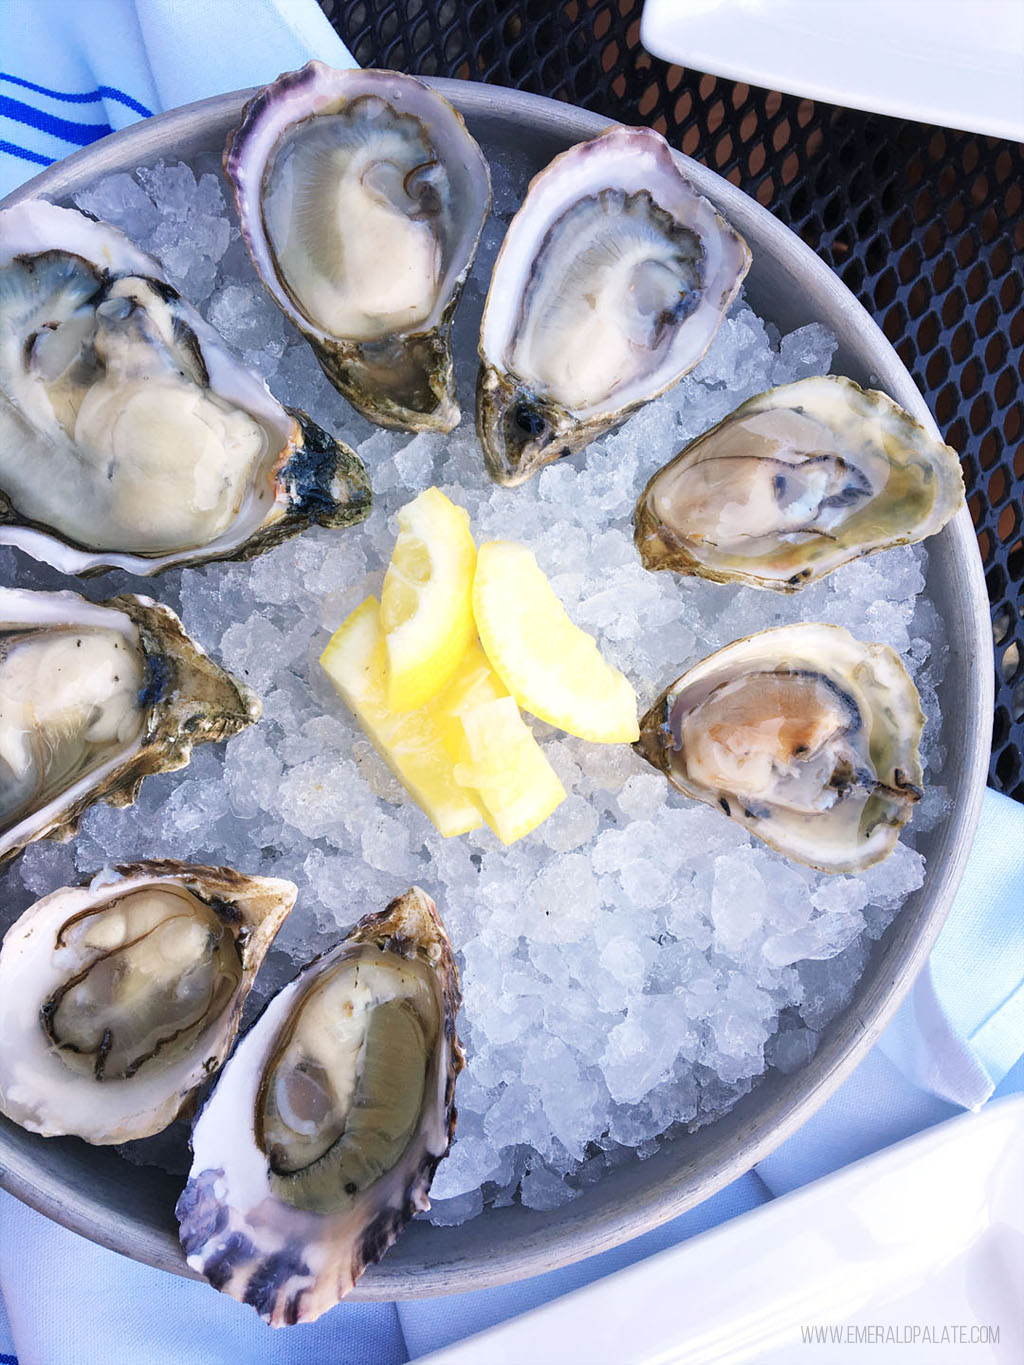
point(475, 682)
point(552, 668)
point(506, 769)
point(417, 745)
point(426, 606)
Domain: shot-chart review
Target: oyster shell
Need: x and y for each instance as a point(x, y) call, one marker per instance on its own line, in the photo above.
point(93, 698)
point(119, 998)
point(129, 437)
point(611, 283)
point(362, 198)
point(794, 483)
point(803, 735)
point(321, 1138)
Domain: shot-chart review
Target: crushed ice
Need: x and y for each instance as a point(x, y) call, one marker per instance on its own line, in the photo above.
point(639, 960)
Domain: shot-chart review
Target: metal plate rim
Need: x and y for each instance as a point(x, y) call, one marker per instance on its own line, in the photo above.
point(532, 1252)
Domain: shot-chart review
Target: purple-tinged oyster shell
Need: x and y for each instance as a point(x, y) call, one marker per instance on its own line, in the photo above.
point(321, 1138)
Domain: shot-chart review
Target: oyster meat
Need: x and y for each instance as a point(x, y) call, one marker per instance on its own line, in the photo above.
point(610, 284)
point(803, 735)
point(129, 436)
point(362, 198)
point(322, 1135)
point(794, 483)
point(119, 998)
point(93, 698)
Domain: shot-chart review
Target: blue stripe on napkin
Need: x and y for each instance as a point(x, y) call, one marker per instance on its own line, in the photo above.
point(39, 160)
point(68, 130)
point(8, 1360)
point(102, 92)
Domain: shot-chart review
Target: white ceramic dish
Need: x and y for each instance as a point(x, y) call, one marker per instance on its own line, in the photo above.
point(926, 1235)
point(949, 62)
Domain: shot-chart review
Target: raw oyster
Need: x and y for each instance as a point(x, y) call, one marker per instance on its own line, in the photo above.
point(129, 437)
point(119, 998)
point(611, 283)
point(321, 1138)
point(803, 735)
point(794, 483)
point(93, 698)
point(362, 198)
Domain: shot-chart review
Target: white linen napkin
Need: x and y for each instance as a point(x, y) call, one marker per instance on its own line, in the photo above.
point(73, 70)
point(81, 67)
point(949, 1041)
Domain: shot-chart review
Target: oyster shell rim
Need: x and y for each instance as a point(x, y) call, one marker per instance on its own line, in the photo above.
point(314, 478)
point(497, 387)
point(656, 746)
point(660, 549)
point(346, 361)
point(195, 701)
point(213, 1231)
point(252, 907)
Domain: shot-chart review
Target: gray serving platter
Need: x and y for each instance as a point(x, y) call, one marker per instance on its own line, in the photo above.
point(94, 1191)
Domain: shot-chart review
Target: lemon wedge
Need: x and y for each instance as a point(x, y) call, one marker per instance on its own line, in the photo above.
point(417, 745)
point(553, 669)
point(466, 756)
point(426, 604)
point(506, 769)
point(475, 682)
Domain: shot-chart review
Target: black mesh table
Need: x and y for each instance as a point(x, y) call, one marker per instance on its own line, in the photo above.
point(922, 224)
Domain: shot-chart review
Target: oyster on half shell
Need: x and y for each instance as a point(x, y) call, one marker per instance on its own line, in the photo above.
point(362, 198)
point(803, 735)
point(322, 1135)
point(94, 698)
point(120, 997)
point(794, 483)
point(129, 436)
point(611, 282)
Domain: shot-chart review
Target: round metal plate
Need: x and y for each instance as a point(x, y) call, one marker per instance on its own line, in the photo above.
point(97, 1193)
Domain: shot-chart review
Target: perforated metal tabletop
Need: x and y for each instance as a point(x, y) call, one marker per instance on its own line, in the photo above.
point(923, 224)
